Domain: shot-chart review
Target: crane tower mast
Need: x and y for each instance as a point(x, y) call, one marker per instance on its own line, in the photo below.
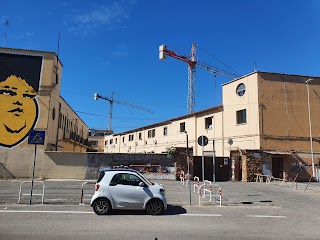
point(192, 63)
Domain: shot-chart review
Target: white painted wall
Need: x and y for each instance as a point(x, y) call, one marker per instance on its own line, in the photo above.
point(244, 136)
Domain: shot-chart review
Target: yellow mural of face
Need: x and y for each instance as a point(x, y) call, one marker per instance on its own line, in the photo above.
point(18, 110)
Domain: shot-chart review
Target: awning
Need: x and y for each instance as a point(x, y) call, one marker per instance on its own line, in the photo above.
point(278, 152)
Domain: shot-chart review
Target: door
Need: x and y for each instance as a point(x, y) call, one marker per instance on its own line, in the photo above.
point(126, 192)
point(221, 168)
point(277, 167)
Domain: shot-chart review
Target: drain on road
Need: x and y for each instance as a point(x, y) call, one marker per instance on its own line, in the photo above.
point(266, 201)
point(247, 202)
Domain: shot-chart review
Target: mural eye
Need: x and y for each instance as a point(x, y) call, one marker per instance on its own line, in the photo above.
point(29, 96)
point(8, 92)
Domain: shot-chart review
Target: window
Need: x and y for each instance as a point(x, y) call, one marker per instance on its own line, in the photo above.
point(57, 78)
point(165, 131)
point(130, 137)
point(106, 142)
point(242, 116)
point(208, 123)
point(59, 123)
point(94, 143)
point(116, 140)
point(111, 141)
point(241, 89)
point(140, 136)
point(125, 179)
point(123, 139)
point(151, 133)
point(182, 127)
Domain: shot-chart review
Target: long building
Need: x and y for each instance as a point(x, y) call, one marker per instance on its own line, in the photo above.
point(261, 127)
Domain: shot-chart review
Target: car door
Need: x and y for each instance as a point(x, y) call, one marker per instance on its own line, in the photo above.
point(126, 192)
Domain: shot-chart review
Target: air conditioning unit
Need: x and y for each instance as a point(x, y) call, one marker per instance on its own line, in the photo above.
point(155, 141)
point(136, 143)
point(145, 142)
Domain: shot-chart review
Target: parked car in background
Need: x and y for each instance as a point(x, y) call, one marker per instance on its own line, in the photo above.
point(127, 189)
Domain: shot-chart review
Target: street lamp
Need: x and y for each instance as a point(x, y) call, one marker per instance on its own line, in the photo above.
point(188, 162)
point(310, 127)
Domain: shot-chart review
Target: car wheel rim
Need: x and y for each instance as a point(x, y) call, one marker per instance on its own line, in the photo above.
point(102, 206)
point(155, 207)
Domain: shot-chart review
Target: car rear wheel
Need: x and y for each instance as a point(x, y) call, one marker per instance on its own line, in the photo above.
point(155, 207)
point(101, 206)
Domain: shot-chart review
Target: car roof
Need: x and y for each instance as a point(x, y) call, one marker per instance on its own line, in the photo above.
point(118, 170)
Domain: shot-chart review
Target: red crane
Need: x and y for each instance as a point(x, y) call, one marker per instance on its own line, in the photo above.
point(192, 63)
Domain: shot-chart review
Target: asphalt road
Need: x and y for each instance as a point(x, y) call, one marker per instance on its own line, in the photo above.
point(248, 211)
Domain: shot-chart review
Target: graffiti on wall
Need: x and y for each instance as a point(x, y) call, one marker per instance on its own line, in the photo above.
point(19, 110)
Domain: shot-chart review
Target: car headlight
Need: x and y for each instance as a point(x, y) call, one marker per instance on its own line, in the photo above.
point(162, 191)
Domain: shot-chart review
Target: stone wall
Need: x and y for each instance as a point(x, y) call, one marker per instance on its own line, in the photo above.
point(181, 163)
point(251, 165)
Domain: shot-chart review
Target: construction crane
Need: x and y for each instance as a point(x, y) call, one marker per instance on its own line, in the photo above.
point(192, 63)
point(111, 101)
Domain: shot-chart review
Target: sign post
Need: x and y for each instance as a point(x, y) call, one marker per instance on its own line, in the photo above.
point(213, 163)
point(213, 169)
point(188, 162)
point(36, 138)
point(203, 141)
point(230, 142)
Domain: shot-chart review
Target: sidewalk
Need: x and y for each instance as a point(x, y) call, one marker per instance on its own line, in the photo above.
point(240, 194)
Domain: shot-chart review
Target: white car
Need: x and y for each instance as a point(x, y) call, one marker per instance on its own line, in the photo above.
point(127, 189)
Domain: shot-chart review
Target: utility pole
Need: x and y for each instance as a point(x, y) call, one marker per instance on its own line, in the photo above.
point(6, 24)
point(310, 127)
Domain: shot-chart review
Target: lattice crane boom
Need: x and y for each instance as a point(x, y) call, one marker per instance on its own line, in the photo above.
point(111, 101)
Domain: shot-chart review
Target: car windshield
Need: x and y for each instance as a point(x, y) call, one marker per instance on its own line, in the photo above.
point(145, 179)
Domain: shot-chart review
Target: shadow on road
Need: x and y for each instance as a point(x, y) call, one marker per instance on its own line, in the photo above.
point(171, 210)
point(174, 210)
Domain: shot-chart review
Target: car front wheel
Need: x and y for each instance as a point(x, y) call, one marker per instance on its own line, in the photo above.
point(155, 207)
point(101, 206)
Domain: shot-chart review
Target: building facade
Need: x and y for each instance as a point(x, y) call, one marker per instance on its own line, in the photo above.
point(96, 139)
point(30, 99)
point(262, 126)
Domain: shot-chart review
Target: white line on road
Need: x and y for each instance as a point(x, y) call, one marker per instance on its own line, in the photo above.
point(77, 212)
point(186, 214)
point(24, 211)
point(266, 216)
point(200, 215)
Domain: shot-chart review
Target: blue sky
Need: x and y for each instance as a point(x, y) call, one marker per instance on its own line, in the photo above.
point(112, 45)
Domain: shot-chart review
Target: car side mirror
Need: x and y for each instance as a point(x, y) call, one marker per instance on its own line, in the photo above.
point(113, 184)
point(142, 184)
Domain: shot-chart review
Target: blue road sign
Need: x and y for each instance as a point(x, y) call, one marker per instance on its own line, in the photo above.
point(36, 137)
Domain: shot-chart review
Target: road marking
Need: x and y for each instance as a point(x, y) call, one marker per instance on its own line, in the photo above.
point(200, 215)
point(78, 212)
point(266, 216)
point(24, 211)
point(187, 214)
